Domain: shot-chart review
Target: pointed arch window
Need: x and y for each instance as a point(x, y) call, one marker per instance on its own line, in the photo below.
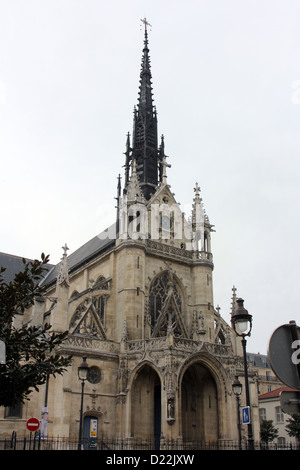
point(100, 282)
point(165, 306)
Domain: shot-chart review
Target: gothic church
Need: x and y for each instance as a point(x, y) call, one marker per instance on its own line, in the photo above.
point(137, 301)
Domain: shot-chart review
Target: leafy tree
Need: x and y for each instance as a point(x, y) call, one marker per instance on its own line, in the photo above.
point(293, 426)
point(30, 350)
point(267, 431)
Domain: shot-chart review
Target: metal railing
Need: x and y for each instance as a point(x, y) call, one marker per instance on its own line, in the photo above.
point(35, 442)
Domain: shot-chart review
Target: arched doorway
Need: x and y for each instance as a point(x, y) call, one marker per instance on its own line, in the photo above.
point(146, 406)
point(199, 405)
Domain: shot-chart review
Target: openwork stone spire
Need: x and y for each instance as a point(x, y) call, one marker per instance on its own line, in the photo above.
point(144, 148)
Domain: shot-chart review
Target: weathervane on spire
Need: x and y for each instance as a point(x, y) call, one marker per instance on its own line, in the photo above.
point(146, 23)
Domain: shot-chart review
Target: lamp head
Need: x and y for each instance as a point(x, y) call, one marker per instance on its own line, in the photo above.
point(237, 386)
point(241, 319)
point(83, 369)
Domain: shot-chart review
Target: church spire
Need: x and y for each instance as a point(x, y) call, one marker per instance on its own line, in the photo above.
point(144, 148)
point(145, 103)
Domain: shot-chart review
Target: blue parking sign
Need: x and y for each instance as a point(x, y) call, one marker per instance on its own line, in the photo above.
point(246, 415)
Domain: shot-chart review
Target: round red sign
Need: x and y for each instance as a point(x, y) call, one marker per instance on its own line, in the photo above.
point(33, 424)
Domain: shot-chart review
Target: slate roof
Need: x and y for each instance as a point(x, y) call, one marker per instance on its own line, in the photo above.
point(85, 253)
point(88, 251)
point(13, 265)
point(258, 360)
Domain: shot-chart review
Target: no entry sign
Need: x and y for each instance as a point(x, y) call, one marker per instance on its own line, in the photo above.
point(33, 424)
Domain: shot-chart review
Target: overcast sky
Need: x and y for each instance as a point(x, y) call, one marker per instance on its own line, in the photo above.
point(226, 83)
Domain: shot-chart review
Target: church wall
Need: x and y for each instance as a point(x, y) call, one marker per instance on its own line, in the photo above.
point(202, 299)
point(129, 290)
point(99, 398)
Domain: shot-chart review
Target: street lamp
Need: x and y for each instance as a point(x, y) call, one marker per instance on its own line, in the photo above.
point(237, 390)
point(242, 323)
point(82, 375)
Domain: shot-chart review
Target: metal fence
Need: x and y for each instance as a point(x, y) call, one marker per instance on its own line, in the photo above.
point(35, 442)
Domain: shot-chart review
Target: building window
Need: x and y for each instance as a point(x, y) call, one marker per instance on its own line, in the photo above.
point(262, 415)
point(13, 411)
point(162, 290)
point(99, 305)
point(279, 414)
point(158, 294)
point(281, 442)
point(101, 284)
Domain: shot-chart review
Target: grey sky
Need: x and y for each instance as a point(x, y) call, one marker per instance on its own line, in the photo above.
point(226, 83)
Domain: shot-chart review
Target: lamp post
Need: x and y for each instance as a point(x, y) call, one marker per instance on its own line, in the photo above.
point(237, 390)
point(242, 323)
point(82, 375)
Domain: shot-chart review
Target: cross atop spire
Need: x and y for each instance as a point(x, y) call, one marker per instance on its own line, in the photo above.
point(197, 190)
point(233, 299)
point(146, 23)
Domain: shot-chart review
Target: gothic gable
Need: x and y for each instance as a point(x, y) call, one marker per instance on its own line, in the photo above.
point(88, 319)
point(163, 195)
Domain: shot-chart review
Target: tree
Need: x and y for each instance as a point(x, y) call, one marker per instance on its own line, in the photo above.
point(31, 351)
point(293, 426)
point(267, 431)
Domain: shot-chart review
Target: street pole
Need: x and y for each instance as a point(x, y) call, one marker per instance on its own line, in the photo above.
point(81, 413)
point(250, 432)
point(239, 422)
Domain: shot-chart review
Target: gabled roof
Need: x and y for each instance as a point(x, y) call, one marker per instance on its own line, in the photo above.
point(163, 189)
point(275, 393)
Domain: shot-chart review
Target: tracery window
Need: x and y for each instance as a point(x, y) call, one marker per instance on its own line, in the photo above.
point(99, 304)
point(100, 282)
point(158, 293)
point(165, 307)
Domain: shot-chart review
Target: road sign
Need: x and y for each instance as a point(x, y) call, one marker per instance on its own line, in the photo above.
point(290, 402)
point(284, 354)
point(246, 415)
point(33, 424)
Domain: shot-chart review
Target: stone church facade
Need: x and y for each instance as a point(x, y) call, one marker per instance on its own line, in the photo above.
point(138, 303)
